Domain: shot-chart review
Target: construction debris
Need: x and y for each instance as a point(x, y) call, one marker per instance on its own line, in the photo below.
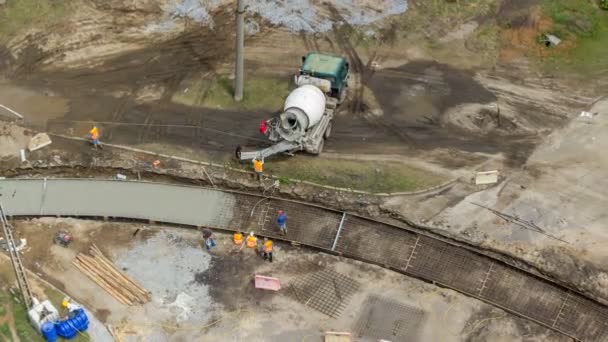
point(19, 245)
point(39, 141)
point(332, 336)
point(487, 177)
point(267, 283)
point(551, 40)
point(101, 270)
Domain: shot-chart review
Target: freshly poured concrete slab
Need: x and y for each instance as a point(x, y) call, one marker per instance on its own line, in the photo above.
point(158, 202)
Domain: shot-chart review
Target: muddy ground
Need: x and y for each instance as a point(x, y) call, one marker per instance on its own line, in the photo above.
point(200, 295)
point(434, 92)
point(418, 107)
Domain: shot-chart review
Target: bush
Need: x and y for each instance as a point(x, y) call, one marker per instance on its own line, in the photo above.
point(604, 4)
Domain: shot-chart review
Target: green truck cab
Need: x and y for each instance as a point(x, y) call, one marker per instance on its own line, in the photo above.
point(317, 67)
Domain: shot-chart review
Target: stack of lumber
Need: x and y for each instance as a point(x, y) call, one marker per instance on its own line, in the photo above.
point(101, 270)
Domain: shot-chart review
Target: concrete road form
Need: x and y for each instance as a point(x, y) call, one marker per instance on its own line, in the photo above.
point(400, 249)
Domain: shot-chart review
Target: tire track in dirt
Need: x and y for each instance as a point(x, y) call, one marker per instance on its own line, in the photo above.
point(364, 72)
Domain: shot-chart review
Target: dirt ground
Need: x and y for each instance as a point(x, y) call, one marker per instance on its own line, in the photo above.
point(203, 296)
point(409, 107)
point(449, 90)
point(561, 191)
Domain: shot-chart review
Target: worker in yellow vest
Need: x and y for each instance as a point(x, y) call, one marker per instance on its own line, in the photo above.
point(238, 238)
point(267, 249)
point(252, 241)
point(94, 134)
point(258, 167)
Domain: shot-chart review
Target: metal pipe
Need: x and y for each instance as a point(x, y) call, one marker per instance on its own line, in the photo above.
point(12, 111)
point(240, 46)
point(333, 247)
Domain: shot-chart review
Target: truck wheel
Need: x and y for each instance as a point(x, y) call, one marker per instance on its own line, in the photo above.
point(342, 96)
point(320, 149)
point(237, 152)
point(327, 133)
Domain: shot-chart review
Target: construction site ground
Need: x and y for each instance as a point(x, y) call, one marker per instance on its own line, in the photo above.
point(204, 296)
point(439, 90)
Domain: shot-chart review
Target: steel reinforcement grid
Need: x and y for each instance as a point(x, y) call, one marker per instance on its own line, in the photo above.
point(406, 251)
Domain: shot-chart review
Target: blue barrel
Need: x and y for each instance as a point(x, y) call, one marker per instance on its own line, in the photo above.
point(80, 320)
point(48, 331)
point(69, 328)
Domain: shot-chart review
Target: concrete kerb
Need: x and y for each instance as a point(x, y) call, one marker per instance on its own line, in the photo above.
point(297, 181)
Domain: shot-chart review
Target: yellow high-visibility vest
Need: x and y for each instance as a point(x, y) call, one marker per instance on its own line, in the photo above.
point(268, 246)
point(252, 241)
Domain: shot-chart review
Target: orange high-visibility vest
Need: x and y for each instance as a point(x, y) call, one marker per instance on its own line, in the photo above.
point(258, 165)
point(268, 246)
point(252, 241)
point(238, 238)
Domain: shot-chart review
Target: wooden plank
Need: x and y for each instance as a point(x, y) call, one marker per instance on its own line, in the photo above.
point(97, 252)
point(104, 274)
point(100, 283)
point(108, 285)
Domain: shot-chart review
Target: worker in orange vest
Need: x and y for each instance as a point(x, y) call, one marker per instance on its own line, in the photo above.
point(252, 241)
point(267, 249)
point(258, 166)
point(94, 133)
point(238, 238)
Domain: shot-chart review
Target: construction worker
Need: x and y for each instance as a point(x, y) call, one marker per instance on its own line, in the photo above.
point(209, 241)
point(94, 133)
point(252, 241)
point(282, 222)
point(68, 306)
point(263, 127)
point(238, 238)
point(258, 166)
point(267, 249)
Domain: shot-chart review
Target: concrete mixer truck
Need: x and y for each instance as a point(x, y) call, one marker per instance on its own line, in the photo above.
point(307, 116)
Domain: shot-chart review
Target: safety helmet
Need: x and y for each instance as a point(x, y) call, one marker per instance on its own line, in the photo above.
point(251, 234)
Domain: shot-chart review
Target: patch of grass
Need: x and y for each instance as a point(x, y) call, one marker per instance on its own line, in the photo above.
point(454, 12)
point(584, 29)
point(24, 329)
point(261, 92)
point(5, 331)
point(358, 175)
point(284, 180)
point(18, 15)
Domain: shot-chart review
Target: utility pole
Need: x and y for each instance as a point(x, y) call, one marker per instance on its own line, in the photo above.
point(240, 46)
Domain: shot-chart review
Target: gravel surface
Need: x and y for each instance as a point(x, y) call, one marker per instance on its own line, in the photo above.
point(167, 264)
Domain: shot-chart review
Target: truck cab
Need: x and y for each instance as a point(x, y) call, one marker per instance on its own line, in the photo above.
point(329, 73)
